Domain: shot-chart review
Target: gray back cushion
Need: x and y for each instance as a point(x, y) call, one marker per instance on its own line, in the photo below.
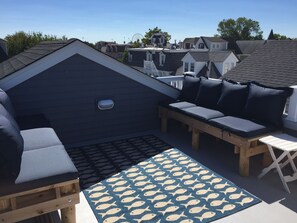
point(11, 149)
point(6, 102)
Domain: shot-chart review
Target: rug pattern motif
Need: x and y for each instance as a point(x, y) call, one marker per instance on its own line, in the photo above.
point(168, 187)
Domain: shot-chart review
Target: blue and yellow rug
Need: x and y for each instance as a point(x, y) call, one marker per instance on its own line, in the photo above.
point(168, 187)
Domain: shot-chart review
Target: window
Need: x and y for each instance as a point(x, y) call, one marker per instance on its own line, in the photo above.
point(226, 67)
point(201, 46)
point(186, 67)
point(129, 57)
point(218, 46)
point(162, 58)
point(149, 56)
point(213, 46)
point(192, 67)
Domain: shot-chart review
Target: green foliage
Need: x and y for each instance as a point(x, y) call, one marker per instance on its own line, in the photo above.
point(136, 44)
point(20, 41)
point(280, 37)
point(90, 44)
point(240, 29)
point(125, 57)
point(147, 37)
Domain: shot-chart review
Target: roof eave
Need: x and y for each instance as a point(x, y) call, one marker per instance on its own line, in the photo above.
point(78, 47)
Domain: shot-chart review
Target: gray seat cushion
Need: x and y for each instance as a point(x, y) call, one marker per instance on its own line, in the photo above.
point(43, 163)
point(202, 113)
point(182, 105)
point(241, 127)
point(39, 138)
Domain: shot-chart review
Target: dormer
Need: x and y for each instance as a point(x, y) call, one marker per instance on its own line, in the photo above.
point(214, 43)
point(201, 45)
point(190, 43)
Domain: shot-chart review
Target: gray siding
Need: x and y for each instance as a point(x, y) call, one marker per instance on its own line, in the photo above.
point(68, 93)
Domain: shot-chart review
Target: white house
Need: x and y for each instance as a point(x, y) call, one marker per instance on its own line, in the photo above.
point(212, 64)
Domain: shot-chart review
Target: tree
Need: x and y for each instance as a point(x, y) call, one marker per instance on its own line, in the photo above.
point(240, 29)
point(280, 37)
point(125, 57)
point(20, 41)
point(136, 44)
point(147, 37)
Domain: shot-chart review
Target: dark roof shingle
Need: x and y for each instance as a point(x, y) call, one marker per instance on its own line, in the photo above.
point(275, 64)
point(214, 56)
point(191, 40)
point(248, 46)
point(214, 39)
point(31, 55)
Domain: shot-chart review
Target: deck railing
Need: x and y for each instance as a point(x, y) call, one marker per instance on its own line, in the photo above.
point(291, 120)
point(175, 81)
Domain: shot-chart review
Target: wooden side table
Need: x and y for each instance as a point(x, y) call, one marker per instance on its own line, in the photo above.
point(287, 144)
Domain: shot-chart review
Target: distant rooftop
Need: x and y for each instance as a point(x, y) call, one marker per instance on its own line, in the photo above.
point(158, 49)
point(191, 39)
point(275, 64)
point(214, 56)
point(214, 39)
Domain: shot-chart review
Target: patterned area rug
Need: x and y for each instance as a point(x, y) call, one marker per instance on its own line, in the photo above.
point(167, 187)
point(98, 162)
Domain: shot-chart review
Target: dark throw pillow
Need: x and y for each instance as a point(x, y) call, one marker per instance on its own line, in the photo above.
point(6, 102)
point(208, 93)
point(7, 115)
point(233, 98)
point(11, 148)
point(266, 104)
point(190, 89)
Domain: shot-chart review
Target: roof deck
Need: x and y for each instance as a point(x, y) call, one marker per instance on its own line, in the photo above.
point(276, 206)
point(66, 86)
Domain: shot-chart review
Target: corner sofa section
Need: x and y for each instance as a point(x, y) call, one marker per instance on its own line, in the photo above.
point(237, 113)
point(37, 175)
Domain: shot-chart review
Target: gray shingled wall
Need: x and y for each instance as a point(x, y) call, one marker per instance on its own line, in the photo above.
point(68, 92)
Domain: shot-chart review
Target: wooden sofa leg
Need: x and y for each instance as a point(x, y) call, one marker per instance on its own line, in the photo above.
point(244, 162)
point(195, 138)
point(163, 124)
point(68, 214)
point(267, 159)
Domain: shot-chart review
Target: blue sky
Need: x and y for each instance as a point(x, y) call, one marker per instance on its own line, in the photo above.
point(118, 20)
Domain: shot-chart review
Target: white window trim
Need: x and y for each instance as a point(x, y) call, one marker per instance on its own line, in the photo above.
point(162, 58)
point(186, 67)
point(190, 64)
point(149, 56)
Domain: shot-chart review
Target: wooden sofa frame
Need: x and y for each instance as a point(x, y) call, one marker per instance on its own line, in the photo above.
point(245, 147)
point(31, 203)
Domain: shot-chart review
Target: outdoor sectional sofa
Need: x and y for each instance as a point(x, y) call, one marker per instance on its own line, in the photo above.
point(237, 113)
point(36, 174)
